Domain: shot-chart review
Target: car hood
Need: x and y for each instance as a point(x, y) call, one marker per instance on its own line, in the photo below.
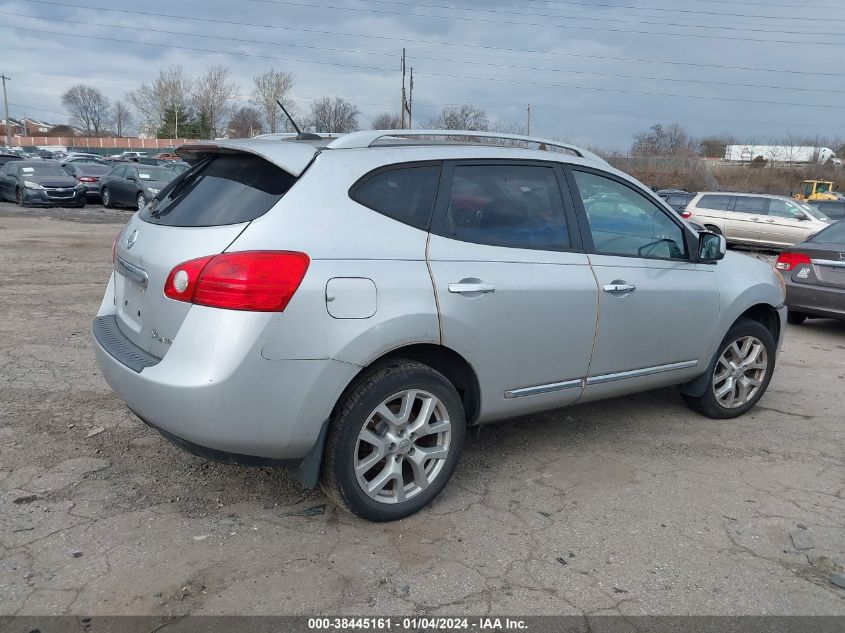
point(50, 181)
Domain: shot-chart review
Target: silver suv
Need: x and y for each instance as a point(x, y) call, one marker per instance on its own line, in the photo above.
point(348, 309)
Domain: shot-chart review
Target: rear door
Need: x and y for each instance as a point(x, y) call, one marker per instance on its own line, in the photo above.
point(193, 217)
point(710, 210)
point(743, 219)
point(658, 310)
point(516, 295)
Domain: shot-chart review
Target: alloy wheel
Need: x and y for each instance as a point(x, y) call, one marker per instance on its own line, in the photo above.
point(402, 447)
point(740, 372)
point(141, 201)
point(106, 198)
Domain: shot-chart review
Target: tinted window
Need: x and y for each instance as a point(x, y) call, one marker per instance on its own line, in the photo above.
point(749, 204)
point(834, 234)
point(833, 210)
point(225, 189)
point(406, 194)
point(507, 205)
point(717, 203)
point(625, 222)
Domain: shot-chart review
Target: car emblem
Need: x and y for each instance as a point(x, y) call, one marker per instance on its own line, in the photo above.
point(133, 237)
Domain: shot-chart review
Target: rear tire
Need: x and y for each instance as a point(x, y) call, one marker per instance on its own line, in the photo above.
point(795, 318)
point(713, 229)
point(106, 197)
point(376, 465)
point(142, 201)
point(739, 373)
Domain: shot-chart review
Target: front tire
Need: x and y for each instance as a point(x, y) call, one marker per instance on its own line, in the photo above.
point(739, 373)
point(142, 201)
point(19, 198)
point(106, 197)
point(394, 441)
point(795, 318)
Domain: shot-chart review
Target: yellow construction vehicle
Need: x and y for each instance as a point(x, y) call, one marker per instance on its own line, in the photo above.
point(817, 190)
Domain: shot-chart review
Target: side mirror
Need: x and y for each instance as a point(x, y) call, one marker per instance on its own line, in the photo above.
point(711, 247)
point(801, 216)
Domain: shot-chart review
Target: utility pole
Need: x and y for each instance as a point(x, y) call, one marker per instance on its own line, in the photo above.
point(528, 127)
point(6, 106)
point(407, 100)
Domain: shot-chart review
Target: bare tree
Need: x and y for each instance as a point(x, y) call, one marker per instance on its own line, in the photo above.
point(465, 117)
point(271, 86)
point(333, 115)
point(660, 140)
point(211, 96)
point(245, 122)
point(121, 117)
point(387, 121)
point(88, 108)
point(170, 92)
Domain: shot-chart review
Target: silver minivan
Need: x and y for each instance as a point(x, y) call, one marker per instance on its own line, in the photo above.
point(756, 219)
point(348, 308)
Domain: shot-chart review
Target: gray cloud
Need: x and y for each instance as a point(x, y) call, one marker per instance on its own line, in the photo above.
point(460, 56)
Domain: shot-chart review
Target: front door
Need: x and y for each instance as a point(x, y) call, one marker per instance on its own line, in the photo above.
point(657, 310)
point(785, 224)
point(515, 291)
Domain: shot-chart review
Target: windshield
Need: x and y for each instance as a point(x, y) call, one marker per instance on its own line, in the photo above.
point(812, 211)
point(155, 173)
point(42, 170)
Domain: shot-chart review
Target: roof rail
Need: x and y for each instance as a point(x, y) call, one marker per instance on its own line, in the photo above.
point(366, 138)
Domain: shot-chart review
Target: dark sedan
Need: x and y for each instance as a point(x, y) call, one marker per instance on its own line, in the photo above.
point(133, 185)
point(678, 199)
point(814, 272)
point(5, 158)
point(42, 183)
point(89, 175)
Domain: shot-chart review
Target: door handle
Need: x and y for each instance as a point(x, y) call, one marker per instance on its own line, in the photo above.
point(462, 288)
point(755, 219)
point(771, 221)
point(619, 288)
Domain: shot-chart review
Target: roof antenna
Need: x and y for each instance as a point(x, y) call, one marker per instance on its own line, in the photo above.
point(300, 135)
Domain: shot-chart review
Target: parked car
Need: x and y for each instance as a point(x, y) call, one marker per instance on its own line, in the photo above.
point(178, 167)
point(833, 209)
point(756, 219)
point(678, 199)
point(814, 272)
point(5, 158)
point(167, 156)
point(133, 185)
point(348, 310)
point(128, 156)
point(41, 182)
point(89, 175)
point(45, 154)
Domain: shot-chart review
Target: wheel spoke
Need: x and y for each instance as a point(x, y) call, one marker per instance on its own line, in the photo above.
point(431, 452)
point(424, 415)
point(726, 388)
point(388, 416)
point(374, 440)
point(363, 467)
point(417, 462)
point(408, 399)
point(387, 474)
point(741, 392)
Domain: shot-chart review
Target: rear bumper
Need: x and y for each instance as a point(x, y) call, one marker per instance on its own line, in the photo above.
point(224, 401)
point(821, 301)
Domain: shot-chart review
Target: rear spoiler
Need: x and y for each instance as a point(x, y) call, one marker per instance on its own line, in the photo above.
point(294, 158)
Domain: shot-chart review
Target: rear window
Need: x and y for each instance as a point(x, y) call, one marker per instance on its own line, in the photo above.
point(834, 234)
point(406, 194)
point(224, 189)
point(717, 203)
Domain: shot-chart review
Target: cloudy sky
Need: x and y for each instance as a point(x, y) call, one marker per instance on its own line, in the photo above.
point(594, 72)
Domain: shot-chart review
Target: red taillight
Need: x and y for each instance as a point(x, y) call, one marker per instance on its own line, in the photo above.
point(86, 179)
point(258, 281)
point(788, 261)
point(686, 214)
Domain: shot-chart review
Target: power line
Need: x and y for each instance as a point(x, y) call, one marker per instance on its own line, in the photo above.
point(446, 75)
point(404, 14)
point(440, 59)
point(595, 5)
point(462, 45)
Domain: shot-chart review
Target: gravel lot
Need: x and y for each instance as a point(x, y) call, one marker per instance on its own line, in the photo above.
point(632, 506)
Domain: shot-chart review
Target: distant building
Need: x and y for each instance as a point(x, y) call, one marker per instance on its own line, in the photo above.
point(14, 126)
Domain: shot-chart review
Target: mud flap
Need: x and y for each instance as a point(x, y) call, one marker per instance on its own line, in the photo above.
point(308, 471)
